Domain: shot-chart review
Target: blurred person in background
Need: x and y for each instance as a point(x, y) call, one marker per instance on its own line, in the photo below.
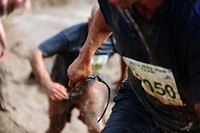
point(4, 48)
point(7, 7)
point(91, 100)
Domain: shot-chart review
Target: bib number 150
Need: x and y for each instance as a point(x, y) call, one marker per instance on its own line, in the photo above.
point(159, 88)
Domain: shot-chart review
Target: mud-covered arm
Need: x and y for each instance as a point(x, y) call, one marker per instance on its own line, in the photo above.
point(3, 42)
point(55, 90)
point(80, 68)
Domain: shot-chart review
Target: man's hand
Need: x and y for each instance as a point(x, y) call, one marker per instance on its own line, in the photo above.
point(56, 91)
point(79, 71)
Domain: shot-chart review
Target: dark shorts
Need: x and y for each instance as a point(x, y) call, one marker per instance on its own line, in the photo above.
point(128, 114)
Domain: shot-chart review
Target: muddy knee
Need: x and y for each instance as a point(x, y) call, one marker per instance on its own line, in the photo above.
point(57, 115)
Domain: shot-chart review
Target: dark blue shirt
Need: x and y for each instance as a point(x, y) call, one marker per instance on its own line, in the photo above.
point(173, 43)
point(70, 41)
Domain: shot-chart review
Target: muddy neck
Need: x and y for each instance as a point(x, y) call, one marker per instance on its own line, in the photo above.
point(147, 8)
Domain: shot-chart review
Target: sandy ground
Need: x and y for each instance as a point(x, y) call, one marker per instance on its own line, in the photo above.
point(27, 103)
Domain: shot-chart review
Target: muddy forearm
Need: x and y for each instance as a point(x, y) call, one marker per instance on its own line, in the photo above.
point(38, 66)
point(3, 39)
point(80, 68)
point(98, 33)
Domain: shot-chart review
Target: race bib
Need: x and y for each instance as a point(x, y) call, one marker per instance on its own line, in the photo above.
point(157, 81)
point(98, 61)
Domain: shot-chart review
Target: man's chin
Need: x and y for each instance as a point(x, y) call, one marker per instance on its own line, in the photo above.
point(122, 4)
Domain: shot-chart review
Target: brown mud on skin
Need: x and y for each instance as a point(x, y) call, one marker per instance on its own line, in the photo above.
point(27, 104)
point(94, 90)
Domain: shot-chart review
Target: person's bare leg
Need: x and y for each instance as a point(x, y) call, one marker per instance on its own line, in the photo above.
point(91, 105)
point(2, 106)
point(57, 115)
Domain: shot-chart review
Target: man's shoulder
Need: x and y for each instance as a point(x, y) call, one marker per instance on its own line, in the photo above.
point(80, 27)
